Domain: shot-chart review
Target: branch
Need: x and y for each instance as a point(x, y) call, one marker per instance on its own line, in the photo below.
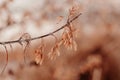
point(34, 38)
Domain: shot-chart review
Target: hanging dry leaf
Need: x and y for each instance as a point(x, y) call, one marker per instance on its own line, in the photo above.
point(68, 38)
point(39, 57)
point(54, 52)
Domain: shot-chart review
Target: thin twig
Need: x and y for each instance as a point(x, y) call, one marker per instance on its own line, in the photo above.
point(6, 59)
point(34, 38)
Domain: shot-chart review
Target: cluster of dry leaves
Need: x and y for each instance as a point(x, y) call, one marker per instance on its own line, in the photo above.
point(96, 56)
point(66, 40)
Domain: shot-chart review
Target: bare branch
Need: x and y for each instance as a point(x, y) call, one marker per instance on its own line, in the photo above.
point(34, 38)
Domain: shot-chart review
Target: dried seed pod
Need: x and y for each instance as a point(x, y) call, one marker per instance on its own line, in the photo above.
point(68, 38)
point(39, 57)
point(54, 52)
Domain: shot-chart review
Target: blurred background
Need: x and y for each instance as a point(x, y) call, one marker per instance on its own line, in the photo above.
point(98, 44)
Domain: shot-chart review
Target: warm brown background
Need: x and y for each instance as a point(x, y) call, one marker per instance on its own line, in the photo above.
point(98, 52)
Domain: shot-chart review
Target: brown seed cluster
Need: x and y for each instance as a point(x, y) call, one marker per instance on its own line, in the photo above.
point(66, 40)
point(39, 57)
